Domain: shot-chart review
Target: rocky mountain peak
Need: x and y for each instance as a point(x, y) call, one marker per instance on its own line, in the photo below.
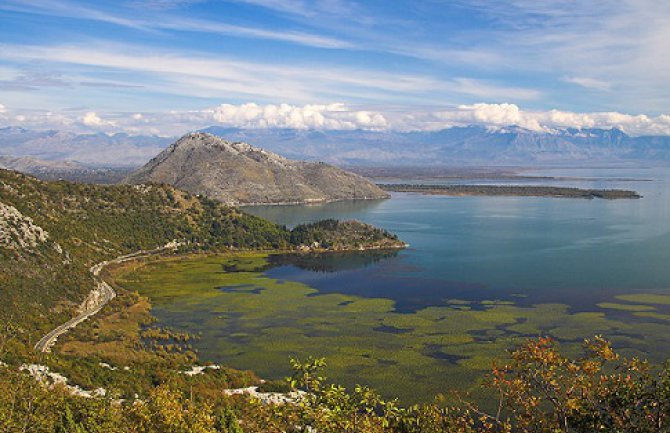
point(202, 140)
point(239, 173)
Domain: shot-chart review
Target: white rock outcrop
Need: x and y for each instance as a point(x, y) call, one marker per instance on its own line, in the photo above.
point(17, 231)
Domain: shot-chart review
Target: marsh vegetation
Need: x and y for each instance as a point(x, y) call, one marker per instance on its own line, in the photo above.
point(247, 319)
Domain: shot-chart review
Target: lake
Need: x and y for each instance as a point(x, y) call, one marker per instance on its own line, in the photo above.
point(480, 275)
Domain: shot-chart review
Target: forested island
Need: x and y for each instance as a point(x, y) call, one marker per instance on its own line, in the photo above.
point(512, 190)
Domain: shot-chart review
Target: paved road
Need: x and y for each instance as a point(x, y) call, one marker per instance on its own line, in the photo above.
point(96, 299)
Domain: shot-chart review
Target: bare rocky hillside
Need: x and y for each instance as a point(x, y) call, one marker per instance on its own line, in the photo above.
point(238, 173)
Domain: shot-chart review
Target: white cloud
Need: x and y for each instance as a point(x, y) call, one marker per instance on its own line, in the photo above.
point(333, 116)
point(3, 109)
point(501, 115)
point(179, 23)
point(589, 83)
point(92, 119)
point(210, 76)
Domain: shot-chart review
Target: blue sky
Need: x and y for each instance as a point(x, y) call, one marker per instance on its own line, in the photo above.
point(165, 66)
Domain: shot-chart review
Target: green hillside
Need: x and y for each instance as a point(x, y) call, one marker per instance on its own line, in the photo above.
point(54, 231)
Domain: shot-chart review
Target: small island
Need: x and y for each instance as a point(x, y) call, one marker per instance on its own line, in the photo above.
point(512, 190)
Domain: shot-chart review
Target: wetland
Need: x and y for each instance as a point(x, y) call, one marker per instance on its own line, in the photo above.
point(480, 275)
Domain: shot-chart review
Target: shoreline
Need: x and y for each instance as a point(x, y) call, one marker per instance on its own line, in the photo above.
point(103, 292)
point(315, 202)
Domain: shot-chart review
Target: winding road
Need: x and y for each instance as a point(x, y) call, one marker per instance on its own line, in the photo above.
point(96, 299)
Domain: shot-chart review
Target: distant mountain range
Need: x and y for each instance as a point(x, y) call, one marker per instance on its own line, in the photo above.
point(68, 170)
point(472, 145)
point(238, 173)
point(117, 150)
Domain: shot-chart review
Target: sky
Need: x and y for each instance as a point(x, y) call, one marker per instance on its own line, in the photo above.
point(168, 66)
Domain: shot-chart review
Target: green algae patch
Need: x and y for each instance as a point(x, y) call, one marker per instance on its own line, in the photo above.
point(625, 307)
point(646, 298)
point(249, 321)
point(652, 315)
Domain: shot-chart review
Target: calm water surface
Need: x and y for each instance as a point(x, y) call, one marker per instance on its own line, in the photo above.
point(573, 251)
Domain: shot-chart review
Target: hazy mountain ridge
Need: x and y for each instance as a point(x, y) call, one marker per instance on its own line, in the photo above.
point(459, 145)
point(29, 164)
point(471, 145)
point(63, 170)
point(238, 173)
point(116, 150)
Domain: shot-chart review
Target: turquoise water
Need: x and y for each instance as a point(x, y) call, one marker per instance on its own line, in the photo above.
point(573, 251)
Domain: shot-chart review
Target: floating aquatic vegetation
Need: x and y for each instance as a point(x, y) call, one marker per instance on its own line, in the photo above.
point(250, 321)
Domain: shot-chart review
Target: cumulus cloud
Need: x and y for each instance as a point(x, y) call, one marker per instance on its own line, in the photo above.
point(336, 116)
point(332, 116)
point(491, 115)
point(92, 119)
point(502, 115)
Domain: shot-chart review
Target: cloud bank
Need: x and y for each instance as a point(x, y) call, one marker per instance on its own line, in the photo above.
point(334, 116)
point(501, 115)
point(92, 119)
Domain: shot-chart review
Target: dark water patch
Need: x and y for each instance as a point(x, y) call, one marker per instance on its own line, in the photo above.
point(239, 338)
point(500, 331)
point(380, 280)
point(332, 261)
point(241, 288)
point(392, 329)
point(435, 352)
point(411, 289)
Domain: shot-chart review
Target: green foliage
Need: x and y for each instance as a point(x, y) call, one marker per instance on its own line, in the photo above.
point(226, 421)
point(342, 235)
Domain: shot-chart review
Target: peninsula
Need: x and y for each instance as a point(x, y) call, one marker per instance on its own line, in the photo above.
point(512, 190)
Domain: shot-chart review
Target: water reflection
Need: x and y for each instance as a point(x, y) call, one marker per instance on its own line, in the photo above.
point(331, 262)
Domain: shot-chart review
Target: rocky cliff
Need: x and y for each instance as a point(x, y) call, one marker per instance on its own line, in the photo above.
point(238, 173)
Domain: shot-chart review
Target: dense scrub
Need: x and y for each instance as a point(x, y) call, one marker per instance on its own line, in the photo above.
point(342, 235)
point(85, 224)
point(540, 390)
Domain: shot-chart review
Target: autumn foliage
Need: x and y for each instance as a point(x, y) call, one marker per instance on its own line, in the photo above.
point(539, 390)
